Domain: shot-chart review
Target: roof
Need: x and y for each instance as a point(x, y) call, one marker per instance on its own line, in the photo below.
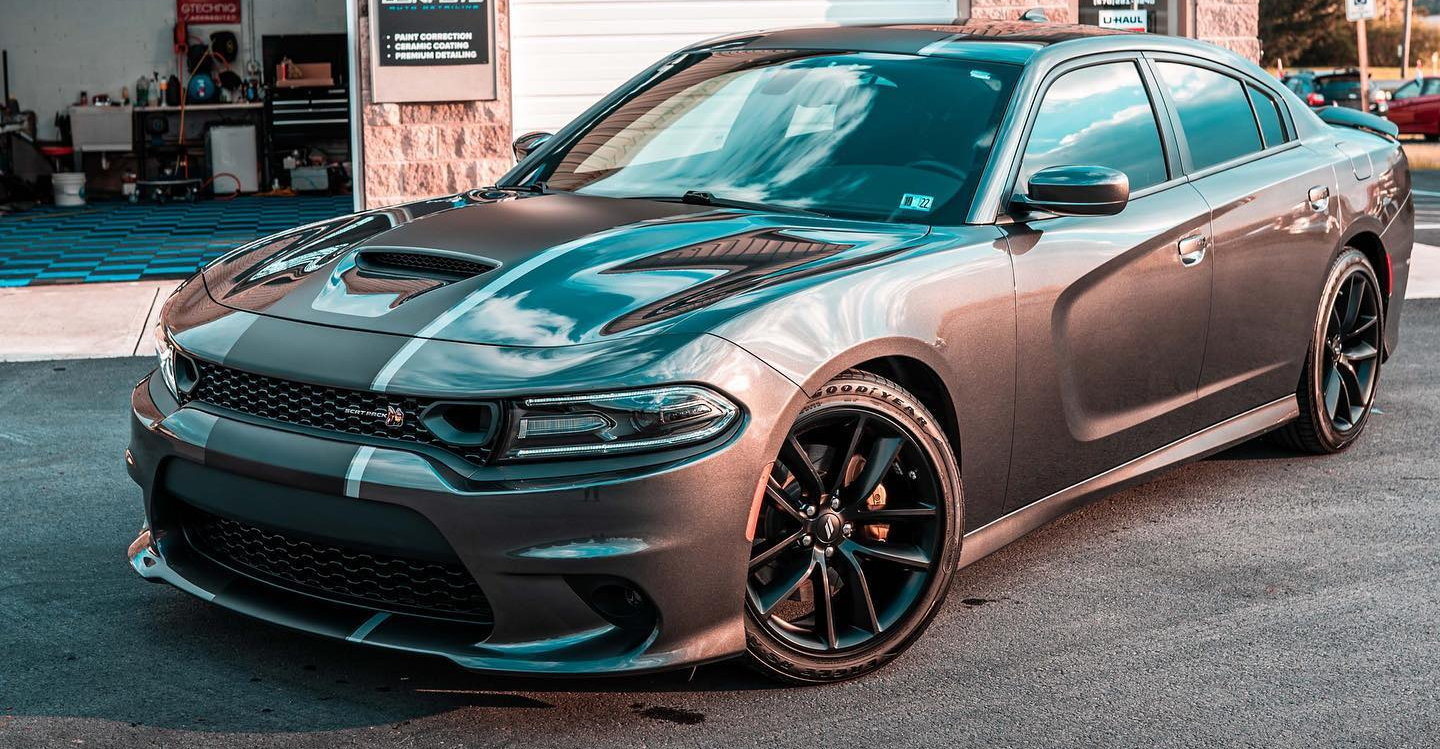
point(1008, 41)
point(1012, 31)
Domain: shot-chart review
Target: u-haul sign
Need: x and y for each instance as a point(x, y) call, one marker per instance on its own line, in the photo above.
point(1125, 20)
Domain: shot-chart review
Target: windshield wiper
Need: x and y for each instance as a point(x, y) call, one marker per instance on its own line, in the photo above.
point(699, 197)
point(538, 188)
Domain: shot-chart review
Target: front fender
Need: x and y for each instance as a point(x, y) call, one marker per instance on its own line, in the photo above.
point(948, 304)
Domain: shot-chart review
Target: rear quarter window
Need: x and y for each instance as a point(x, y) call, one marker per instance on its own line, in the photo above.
point(1267, 111)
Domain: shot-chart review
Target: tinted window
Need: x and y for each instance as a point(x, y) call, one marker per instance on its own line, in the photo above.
point(1432, 87)
point(1407, 91)
point(1097, 116)
point(1301, 86)
point(859, 135)
point(1271, 125)
point(1214, 113)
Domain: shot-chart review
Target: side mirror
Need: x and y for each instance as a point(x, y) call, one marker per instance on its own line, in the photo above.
point(1076, 191)
point(527, 143)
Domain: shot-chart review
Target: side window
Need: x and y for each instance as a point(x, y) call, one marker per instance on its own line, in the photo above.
point(1407, 91)
point(1097, 116)
point(1431, 87)
point(1272, 125)
point(1214, 113)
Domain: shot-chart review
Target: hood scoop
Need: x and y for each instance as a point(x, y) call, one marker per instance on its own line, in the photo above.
point(427, 264)
point(374, 281)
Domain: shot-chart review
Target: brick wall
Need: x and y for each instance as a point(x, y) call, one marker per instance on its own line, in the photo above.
point(1058, 11)
point(415, 151)
point(1230, 23)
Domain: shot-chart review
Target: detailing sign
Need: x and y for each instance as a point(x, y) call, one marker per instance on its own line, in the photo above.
point(1125, 20)
point(432, 50)
point(410, 32)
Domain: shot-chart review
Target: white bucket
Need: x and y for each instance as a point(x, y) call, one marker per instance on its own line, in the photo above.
point(69, 189)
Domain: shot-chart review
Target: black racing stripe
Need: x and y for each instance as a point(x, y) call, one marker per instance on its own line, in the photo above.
point(279, 456)
point(313, 353)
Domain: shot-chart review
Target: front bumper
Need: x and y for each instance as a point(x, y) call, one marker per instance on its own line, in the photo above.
point(676, 532)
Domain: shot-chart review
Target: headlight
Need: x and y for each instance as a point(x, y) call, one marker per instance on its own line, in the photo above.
point(577, 426)
point(165, 353)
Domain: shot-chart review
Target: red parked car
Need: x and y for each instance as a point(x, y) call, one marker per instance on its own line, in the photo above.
point(1415, 108)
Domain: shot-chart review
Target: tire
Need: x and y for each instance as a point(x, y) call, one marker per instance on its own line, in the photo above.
point(881, 600)
point(1332, 419)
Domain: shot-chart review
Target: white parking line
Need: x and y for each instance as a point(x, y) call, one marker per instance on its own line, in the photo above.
point(1424, 280)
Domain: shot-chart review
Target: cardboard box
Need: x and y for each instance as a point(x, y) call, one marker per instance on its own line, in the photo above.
point(95, 128)
point(311, 74)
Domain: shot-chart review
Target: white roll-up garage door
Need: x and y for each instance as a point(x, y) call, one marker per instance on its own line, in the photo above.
point(566, 54)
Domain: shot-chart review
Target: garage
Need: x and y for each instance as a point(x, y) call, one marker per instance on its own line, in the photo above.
point(569, 53)
point(139, 140)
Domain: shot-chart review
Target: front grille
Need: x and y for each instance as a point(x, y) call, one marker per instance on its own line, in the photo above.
point(443, 589)
point(320, 407)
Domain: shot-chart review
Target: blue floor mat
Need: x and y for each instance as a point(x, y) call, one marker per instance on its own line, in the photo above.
point(123, 242)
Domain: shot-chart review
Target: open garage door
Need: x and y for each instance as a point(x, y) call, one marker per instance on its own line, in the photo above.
point(566, 54)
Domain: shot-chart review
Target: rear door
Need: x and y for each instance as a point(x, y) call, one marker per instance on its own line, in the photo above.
point(1111, 317)
point(1271, 203)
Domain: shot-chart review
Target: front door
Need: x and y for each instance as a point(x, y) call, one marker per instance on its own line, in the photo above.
point(1112, 318)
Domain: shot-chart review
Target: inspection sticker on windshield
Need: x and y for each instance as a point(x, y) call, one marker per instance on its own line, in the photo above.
point(913, 202)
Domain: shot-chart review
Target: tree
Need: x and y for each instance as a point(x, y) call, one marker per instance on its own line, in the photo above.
point(1315, 33)
point(1290, 29)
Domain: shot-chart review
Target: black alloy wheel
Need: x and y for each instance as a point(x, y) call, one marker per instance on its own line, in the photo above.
point(854, 538)
point(1337, 390)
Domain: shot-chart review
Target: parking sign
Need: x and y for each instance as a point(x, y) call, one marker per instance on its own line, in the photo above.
point(1359, 10)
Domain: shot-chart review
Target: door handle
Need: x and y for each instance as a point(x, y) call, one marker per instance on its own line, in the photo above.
point(1319, 196)
point(1192, 249)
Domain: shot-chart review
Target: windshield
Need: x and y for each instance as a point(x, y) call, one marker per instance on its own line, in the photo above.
point(853, 135)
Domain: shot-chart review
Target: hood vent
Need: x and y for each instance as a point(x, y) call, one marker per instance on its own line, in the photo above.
point(417, 264)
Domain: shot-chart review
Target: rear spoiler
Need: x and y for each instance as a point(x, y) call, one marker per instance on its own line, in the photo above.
point(1354, 118)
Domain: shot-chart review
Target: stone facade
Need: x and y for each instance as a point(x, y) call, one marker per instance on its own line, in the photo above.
point(414, 151)
point(1058, 11)
point(1229, 23)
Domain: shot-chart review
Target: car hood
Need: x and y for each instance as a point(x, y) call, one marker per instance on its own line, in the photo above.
point(538, 270)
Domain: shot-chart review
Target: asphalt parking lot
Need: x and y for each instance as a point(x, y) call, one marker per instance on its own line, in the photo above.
point(1256, 598)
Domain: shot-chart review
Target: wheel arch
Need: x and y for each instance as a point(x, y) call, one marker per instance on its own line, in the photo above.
point(1367, 240)
point(926, 385)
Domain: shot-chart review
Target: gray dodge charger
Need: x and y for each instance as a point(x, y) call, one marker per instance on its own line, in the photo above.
point(755, 354)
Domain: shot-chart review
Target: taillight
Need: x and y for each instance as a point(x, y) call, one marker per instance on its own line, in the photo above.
point(1314, 99)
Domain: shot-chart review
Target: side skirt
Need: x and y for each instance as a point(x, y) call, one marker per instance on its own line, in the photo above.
point(993, 536)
